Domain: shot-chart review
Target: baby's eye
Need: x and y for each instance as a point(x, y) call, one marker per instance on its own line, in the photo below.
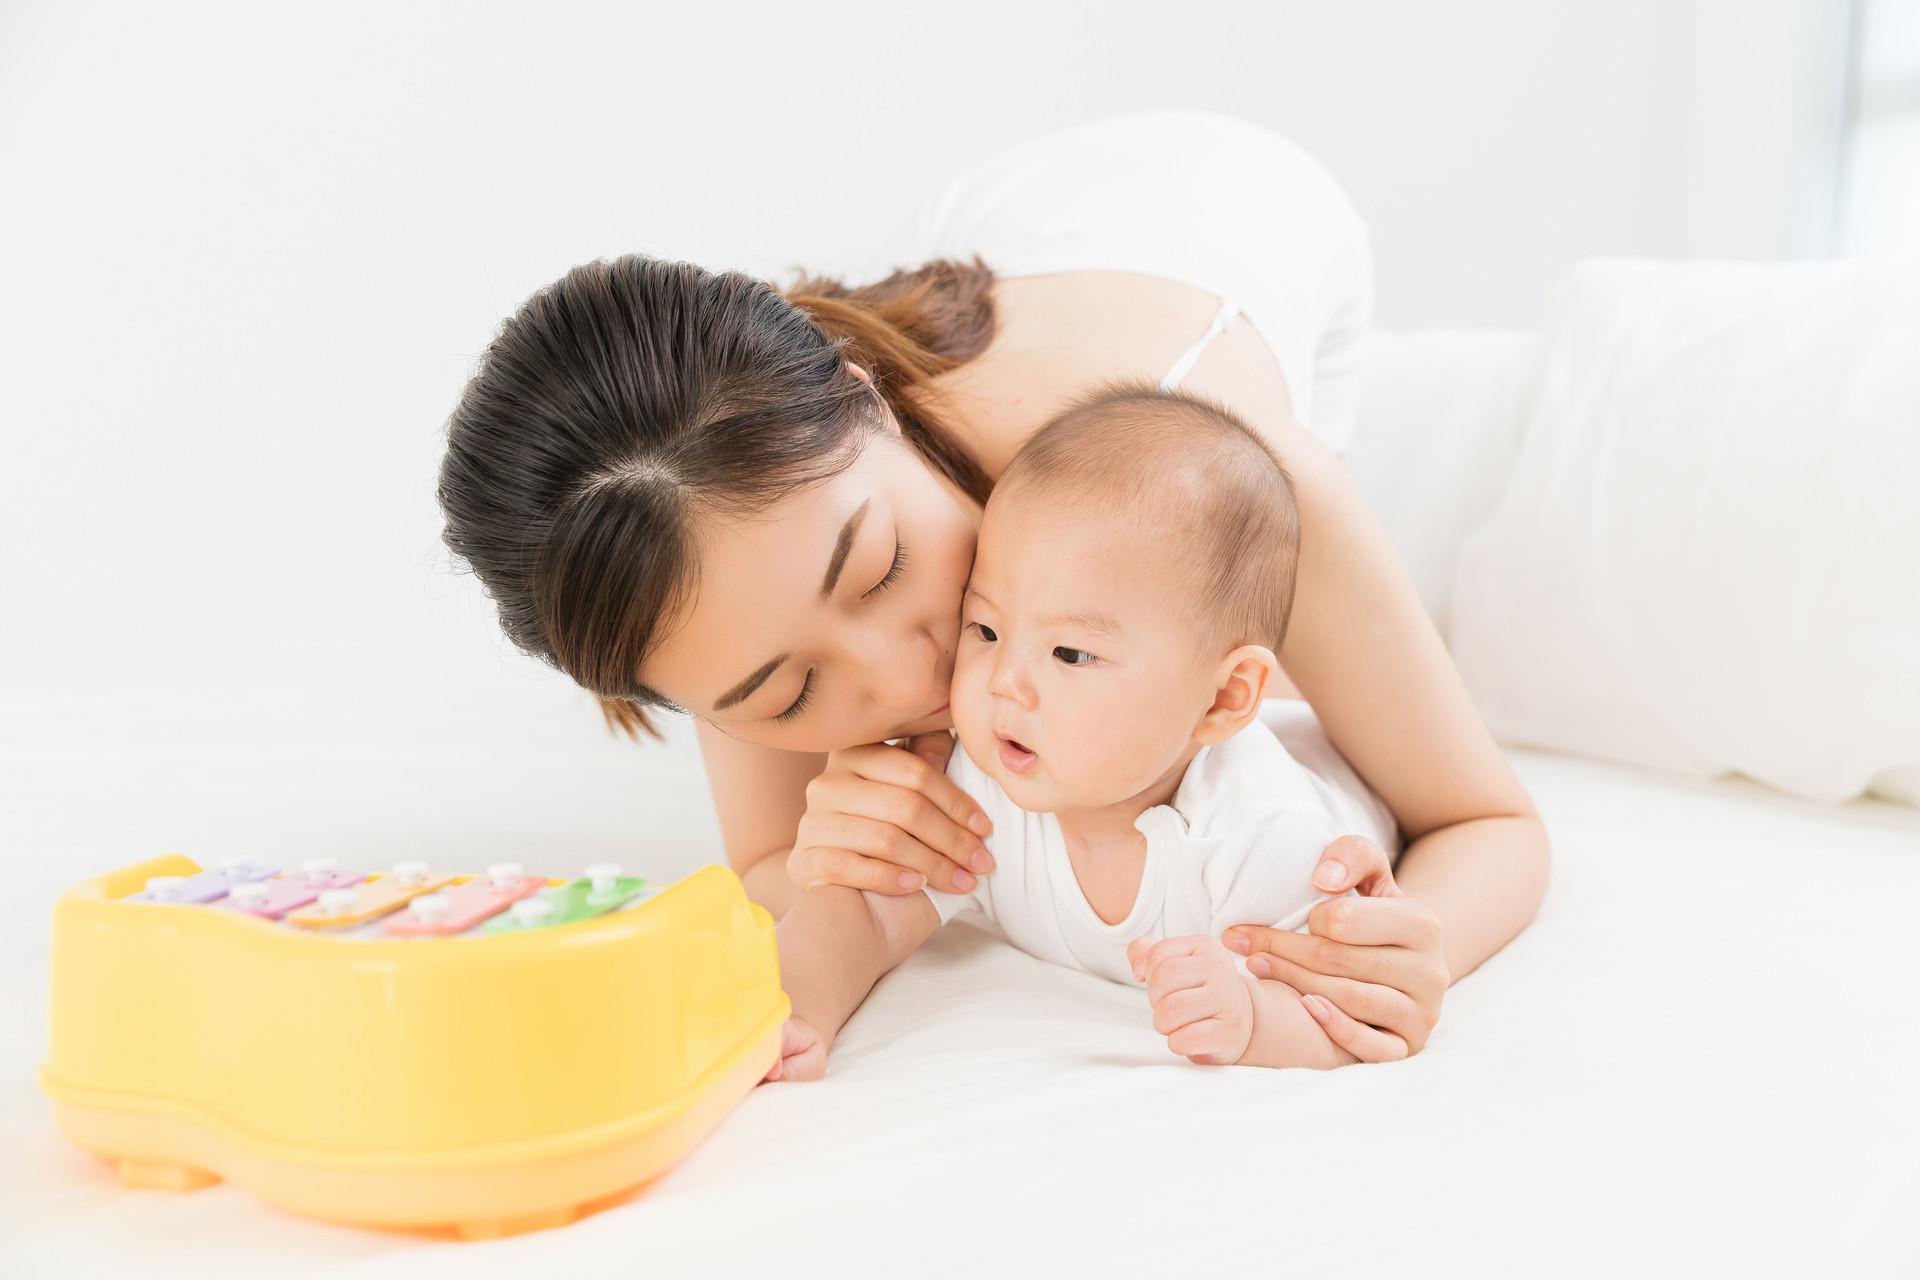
point(986, 632)
point(1072, 657)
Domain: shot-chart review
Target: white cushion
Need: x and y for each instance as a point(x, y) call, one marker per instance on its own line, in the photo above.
point(1436, 430)
point(1708, 557)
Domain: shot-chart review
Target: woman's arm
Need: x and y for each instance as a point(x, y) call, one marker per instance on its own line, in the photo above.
point(874, 817)
point(761, 795)
point(1363, 652)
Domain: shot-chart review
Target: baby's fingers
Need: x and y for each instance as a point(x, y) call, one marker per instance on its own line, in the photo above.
point(1369, 1044)
point(1157, 953)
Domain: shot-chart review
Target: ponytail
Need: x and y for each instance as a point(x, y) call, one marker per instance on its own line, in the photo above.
point(907, 330)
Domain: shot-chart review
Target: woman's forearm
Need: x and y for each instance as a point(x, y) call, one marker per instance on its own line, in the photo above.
point(832, 951)
point(1484, 878)
point(768, 884)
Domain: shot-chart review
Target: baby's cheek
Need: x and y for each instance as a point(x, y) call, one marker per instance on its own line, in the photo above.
point(970, 708)
point(1112, 754)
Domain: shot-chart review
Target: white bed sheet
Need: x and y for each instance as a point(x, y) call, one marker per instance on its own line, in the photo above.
point(1700, 1056)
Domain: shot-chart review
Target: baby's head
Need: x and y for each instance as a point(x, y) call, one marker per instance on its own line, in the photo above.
point(1129, 592)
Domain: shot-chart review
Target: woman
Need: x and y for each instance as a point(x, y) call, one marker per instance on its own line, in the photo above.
point(689, 491)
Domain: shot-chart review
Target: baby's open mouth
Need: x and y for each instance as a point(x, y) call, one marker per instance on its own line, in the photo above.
point(1014, 755)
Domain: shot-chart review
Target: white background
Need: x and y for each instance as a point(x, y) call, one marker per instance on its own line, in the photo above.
point(248, 256)
point(250, 253)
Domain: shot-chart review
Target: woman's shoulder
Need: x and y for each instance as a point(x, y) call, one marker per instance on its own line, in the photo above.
point(1057, 336)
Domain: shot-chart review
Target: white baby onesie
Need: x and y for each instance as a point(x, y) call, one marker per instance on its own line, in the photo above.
point(1238, 845)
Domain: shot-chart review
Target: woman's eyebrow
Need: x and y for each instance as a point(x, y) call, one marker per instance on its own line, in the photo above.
point(744, 690)
point(842, 546)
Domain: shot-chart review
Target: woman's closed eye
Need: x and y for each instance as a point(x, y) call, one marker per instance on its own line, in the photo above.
point(892, 576)
point(893, 571)
point(799, 703)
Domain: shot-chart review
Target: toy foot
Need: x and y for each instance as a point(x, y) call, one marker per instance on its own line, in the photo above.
point(494, 1228)
point(162, 1176)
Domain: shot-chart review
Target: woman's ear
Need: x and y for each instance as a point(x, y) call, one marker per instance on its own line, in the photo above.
point(886, 411)
point(1241, 682)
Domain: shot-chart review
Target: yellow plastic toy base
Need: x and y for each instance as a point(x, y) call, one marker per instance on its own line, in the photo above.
point(490, 1084)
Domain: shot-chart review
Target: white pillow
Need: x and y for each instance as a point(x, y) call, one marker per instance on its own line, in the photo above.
point(1708, 557)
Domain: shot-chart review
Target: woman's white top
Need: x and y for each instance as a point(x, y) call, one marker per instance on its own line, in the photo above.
point(1238, 845)
point(1210, 200)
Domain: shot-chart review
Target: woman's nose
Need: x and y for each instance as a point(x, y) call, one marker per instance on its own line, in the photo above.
point(899, 676)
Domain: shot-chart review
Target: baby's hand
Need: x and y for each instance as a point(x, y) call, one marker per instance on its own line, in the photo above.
point(802, 1055)
point(1201, 1003)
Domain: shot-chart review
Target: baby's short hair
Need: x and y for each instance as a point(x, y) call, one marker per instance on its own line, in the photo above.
point(1187, 465)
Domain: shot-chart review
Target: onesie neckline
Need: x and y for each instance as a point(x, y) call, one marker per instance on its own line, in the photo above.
point(1145, 899)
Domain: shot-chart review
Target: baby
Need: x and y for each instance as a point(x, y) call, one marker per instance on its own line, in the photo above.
point(1130, 588)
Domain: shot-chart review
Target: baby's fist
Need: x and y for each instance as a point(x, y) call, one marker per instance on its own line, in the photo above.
point(802, 1056)
point(1200, 1002)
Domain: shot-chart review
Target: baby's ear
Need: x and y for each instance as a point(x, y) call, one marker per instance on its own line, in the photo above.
point(1241, 682)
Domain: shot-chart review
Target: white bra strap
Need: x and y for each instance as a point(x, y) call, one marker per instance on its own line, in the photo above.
point(1184, 365)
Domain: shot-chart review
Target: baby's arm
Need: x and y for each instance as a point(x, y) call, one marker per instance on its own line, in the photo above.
point(1213, 1014)
point(1284, 1033)
point(837, 941)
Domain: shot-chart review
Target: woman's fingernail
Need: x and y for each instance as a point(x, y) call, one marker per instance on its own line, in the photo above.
point(979, 825)
point(1317, 1007)
point(911, 880)
point(1238, 942)
point(981, 862)
point(1331, 875)
point(1259, 965)
point(963, 882)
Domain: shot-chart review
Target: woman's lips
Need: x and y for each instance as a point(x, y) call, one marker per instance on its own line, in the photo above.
point(1015, 756)
point(934, 714)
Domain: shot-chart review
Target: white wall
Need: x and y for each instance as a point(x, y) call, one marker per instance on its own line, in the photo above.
point(249, 254)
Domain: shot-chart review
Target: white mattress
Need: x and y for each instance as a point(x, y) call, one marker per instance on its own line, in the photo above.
point(1700, 1056)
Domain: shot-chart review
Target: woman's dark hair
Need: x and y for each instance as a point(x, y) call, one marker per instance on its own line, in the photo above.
point(629, 397)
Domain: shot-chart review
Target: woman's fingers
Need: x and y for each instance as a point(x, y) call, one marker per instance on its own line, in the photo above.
point(1385, 1007)
point(888, 819)
point(1323, 955)
point(918, 817)
point(1362, 1041)
point(899, 767)
point(1355, 862)
point(1375, 922)
point(890, 853)
point(935, 748)
point(815, 865)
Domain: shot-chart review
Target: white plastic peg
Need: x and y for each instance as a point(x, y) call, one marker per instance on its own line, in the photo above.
point(164, 886)
point(530, 911)
point(504, 873)
point(333, 902)
point(431, 906)
point(251, 894)
point(315, 868)
point(413, 870)
point(605, 877)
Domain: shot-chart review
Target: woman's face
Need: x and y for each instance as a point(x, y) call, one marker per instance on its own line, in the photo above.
point(831, 619)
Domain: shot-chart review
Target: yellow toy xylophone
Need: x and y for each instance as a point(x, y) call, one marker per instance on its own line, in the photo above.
point(487, 1054)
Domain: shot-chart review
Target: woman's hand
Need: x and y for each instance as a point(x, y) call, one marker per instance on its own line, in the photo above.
point(889, 819)
point(1374, 961)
